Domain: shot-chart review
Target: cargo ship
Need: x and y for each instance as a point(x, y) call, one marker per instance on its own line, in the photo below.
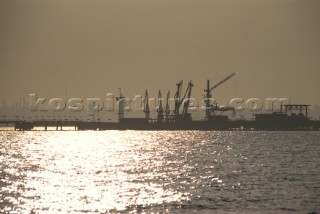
point(275, 121)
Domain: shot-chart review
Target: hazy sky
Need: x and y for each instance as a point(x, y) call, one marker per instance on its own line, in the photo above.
point(93, 47)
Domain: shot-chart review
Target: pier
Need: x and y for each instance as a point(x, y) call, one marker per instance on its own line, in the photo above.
point(30, 125)
point(276, 123)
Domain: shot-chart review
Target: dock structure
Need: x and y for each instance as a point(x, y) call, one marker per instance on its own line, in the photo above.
point(290, 117)
point(30, 125)
point(291, 108)
point(263, 122)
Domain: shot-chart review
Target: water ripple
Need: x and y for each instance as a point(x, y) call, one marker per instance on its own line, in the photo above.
point(166, 171)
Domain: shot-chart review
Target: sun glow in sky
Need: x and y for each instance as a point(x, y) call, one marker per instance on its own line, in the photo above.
point(95, 47)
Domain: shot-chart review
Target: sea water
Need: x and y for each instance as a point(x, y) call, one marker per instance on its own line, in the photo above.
point(159, 171)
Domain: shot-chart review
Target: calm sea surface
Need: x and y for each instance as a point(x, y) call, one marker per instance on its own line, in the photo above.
point(159, 171)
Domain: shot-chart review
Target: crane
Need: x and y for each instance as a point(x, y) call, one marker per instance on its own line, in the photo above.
point(146, 108)
point(167, 107)
point(208, 95)
point(186, 99)
point(177, 102)
point(160, 108)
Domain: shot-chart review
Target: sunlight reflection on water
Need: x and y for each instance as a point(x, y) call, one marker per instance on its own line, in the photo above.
point(91, 172)
point(113, 171)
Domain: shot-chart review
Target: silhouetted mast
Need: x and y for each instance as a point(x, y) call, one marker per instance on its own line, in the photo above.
point(121, 101)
